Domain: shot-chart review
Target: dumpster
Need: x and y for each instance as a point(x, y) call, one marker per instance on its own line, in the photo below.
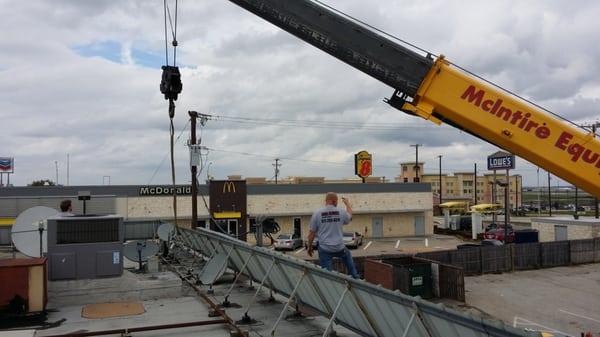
point(410, 276)
point(415, 279)
point(526, 236)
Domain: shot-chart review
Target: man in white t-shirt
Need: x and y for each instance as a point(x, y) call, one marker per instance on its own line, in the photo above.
point(327, 225)
point(66, 208)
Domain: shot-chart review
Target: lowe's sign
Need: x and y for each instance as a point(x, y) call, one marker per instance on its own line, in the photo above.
point(501, 161)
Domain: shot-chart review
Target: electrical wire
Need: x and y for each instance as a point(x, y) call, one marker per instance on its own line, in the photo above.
point(323, 124)
point(270, 157)
point(167, 154)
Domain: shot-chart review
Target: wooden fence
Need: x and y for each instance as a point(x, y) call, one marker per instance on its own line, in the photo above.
point(496, 259)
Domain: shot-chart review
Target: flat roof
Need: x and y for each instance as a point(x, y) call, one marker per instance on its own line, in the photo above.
point(568, 221)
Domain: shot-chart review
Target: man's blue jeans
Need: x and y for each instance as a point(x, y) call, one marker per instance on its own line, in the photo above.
point(326, 257)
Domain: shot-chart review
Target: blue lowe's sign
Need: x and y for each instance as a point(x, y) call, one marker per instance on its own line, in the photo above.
point(501, 161)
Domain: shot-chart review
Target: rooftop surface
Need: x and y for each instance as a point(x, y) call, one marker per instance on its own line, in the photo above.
point(168, 300)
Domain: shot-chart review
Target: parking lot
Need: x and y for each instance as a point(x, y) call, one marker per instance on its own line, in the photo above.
point(562, 301)
point(396, 245)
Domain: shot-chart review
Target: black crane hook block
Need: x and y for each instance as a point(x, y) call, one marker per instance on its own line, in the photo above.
point(171, 85)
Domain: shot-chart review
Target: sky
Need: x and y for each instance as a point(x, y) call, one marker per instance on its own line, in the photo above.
point(81, 79)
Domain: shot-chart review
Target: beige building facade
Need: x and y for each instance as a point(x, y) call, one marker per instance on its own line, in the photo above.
point(561, 229)
point(380, 209)
point(466, 186)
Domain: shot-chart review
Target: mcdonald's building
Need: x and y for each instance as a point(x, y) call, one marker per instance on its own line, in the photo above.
point(232, 206)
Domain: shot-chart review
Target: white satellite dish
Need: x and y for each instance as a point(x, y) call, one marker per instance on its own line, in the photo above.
point(25, 233)
point(166, 231)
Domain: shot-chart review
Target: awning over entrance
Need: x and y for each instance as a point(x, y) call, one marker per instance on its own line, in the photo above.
point(227, 215)
point(7, 221)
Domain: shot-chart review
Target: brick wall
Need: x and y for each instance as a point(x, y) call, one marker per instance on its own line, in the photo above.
point(379, 273)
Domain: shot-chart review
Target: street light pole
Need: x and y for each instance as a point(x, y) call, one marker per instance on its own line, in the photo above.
point(475, 201)
point(595, 199)
point(549, 196)
point(440, 178)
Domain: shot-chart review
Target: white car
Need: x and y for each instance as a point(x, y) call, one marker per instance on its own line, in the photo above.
point(288, 241)
point(353, 240)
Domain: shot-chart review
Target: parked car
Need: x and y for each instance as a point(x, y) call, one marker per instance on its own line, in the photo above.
point(498, 234)
point(486, 242)
point(288, 241)
point(519, 211)
point(491, 242)
point(353, 240)
point(491, 226)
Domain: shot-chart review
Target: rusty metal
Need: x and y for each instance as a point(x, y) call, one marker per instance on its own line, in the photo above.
point(142, 328)
point(208, 301)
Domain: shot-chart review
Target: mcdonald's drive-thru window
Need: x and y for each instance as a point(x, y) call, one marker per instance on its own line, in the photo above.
point(228, 202)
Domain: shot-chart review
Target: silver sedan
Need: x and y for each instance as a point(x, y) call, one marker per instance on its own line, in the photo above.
point(288, 241)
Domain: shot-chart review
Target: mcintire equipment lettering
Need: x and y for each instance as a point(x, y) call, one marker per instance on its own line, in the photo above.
point(523, 121)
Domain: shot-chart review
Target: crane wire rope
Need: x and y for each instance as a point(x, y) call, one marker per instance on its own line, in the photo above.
point(171, 87)
point(380, 31)
point(167, 154)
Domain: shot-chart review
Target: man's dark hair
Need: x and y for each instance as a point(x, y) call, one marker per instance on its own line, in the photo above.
point(65, 205)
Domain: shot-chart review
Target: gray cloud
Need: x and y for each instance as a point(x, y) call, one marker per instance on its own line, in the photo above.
point(111, 119)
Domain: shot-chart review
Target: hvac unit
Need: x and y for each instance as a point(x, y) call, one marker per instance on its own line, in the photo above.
point(84, 247)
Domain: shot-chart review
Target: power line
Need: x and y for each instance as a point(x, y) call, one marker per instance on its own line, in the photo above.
point(167, 154)
point(324, 124)
point(270, 157)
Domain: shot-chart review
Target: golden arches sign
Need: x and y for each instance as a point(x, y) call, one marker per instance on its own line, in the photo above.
point(228, 187)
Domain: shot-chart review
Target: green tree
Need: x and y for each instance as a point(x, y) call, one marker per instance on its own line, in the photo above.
point(42, 182)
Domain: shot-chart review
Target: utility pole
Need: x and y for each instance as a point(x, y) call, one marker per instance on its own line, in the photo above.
point(594, 127)
point(56, 166)
point(576, 216)
point(517, 191)
point(440, 177)
point(276, 166)
point(596, 198)
point(416, 146)
point(475, 184)
point(194, 169)
point(549, 195)
point(68, 169)
point(506, 186)
point(506, 201)
point(494, 215)
point(538, 192)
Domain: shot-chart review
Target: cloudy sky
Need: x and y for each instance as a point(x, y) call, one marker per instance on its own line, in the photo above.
point(81, 78)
